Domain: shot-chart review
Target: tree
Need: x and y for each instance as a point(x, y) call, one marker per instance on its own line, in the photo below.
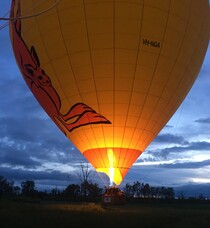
point(153, 192)
point(169, 193)
point(137, 188)
point(129, 192)
point(162, 192)
point(72, 190)
point(146, 190)
point(87, 188)
point(93, 190)
point(84, 177)
point(6, 187)
point(28, 188)
point(181, 195)
point(16, 190)
point(85, 173)
point(201, 197)
point(158, 192)
point(55, 192)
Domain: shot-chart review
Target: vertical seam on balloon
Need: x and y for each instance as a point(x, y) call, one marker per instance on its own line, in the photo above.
point(70, 63)
point(37, 25)
point(137, 55)
point(85, 15)
point(93, 74)
point(114, 38)
point(67, 54)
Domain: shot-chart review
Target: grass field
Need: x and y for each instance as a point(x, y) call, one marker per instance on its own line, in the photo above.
point(54, 214)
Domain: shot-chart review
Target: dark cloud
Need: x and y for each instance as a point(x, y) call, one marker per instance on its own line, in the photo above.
point(32, 154)
point(17, 100)
point(168, 126)
point(13, 158)
point(186, 165)
point(195, 146)
point(31, 141)
point(199, 146)
point(43, 180)
point(20, 174)
point(203, 120)
point(24, 129)
point(147, 159)
point(46, 180)
point(170, 138)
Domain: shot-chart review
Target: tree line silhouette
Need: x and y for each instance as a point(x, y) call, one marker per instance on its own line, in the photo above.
point(85, 190)
point(141, 190)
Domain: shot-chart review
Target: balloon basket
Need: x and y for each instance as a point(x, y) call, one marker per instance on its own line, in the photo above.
point(114, 196)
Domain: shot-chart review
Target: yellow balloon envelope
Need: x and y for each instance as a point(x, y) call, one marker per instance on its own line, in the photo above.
point(110, 73)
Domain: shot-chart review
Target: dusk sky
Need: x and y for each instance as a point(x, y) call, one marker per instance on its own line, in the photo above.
point(33, 148)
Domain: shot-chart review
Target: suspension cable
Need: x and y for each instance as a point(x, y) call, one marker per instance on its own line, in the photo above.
point(31, 15)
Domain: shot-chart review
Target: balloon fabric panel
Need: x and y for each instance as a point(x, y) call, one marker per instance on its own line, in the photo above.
point(110, 74)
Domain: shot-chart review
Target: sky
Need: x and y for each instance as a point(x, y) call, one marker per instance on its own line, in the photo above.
point(33, 148)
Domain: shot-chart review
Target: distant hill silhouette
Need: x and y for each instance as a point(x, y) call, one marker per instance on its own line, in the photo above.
point(193, 190)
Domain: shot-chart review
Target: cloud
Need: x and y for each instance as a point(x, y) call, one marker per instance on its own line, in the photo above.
point(32, 175)
point(33, 153)
point(199, 146)
point(46, 179)
point(191, 146)
point(30, 142)
point(203, 120)
point(53, 178)
point(186, 165)
point(168, 126)
point(16, 99)
point(157, 176)
point(170, 138)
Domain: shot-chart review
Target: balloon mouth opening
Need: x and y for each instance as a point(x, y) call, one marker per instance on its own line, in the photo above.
point(113, 172)
point(114, 175)
point(112, 161)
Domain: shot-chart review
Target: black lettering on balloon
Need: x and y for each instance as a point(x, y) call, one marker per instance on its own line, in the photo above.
point(151, 43)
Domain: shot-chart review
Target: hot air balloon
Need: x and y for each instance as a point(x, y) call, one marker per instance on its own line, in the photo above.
point(110, 73)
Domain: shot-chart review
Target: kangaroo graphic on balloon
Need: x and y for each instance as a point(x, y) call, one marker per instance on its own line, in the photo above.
point(41, 86)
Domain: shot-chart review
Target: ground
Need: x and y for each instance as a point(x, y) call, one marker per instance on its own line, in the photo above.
point(62, 214)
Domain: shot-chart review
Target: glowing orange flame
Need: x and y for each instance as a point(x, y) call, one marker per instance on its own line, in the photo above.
point(111, 165)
